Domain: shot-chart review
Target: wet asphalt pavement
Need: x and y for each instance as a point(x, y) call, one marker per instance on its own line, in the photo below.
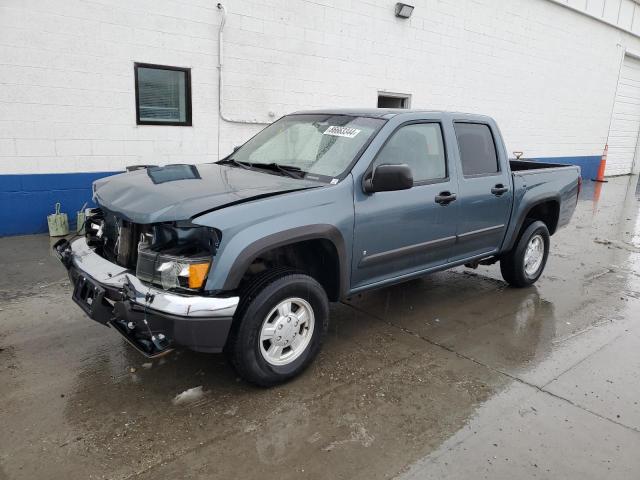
point(454, 375)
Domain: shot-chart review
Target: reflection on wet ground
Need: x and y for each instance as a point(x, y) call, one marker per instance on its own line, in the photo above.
point(453, 375)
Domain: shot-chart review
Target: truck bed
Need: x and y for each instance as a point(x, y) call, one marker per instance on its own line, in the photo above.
point(520, 165)
point(536, 182)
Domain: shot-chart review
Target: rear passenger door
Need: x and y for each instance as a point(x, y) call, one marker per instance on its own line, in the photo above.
point(485, 195)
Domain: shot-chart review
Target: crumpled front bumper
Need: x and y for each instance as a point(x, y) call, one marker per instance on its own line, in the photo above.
point(151, 319)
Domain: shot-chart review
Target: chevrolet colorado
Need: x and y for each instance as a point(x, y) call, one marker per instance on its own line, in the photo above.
point(243, 255)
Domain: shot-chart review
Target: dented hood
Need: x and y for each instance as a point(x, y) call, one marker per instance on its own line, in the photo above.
point(181, 192)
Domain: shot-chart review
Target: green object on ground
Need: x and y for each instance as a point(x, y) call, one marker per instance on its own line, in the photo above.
point(58, 223)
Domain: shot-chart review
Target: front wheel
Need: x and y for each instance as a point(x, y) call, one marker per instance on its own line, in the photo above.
point(279, 327)
point(523, 265)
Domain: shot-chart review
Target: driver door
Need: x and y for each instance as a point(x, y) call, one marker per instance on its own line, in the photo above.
point(399, 233)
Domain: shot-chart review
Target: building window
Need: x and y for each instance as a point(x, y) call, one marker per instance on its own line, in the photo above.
point(163, 95)
point(393, 100)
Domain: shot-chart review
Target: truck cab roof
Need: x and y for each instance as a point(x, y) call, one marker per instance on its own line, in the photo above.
point(387, 113)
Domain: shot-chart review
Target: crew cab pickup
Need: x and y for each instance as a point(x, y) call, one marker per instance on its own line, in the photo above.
point(243, 255)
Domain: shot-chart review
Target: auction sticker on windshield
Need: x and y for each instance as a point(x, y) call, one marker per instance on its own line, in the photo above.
point(342, 131)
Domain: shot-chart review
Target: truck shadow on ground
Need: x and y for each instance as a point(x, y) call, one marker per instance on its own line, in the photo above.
point(470, 314)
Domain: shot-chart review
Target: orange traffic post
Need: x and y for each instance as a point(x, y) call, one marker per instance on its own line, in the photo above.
point(596, 196)
point(603, 164)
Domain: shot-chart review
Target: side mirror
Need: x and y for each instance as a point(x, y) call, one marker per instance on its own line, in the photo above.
point(388, 178)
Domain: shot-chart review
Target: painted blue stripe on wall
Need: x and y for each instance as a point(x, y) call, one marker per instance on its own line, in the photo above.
point(26, 200)
point(588, 164)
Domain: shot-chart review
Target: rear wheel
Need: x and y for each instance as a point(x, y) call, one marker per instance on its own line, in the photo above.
point(523, 265)
point(279, 327)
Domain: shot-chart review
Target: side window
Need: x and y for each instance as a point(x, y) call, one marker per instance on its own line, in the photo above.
point(420, 146)
point(477, 149)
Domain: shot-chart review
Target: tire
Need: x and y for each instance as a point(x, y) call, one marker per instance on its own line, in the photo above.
point(255, 357)
point(512, 266)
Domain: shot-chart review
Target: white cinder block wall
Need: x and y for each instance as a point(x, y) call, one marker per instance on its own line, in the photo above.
point(547, 73)
point(67, 100)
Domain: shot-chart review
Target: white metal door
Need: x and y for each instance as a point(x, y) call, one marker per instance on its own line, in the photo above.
point(625, 120)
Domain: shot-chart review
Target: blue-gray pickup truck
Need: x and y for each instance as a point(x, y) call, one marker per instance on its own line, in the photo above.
point(243, 255)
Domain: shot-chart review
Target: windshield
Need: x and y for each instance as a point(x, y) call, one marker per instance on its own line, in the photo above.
point(321, 146)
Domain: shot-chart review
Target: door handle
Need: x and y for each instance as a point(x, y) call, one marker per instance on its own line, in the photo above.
point(499, 189)
point(445, 198)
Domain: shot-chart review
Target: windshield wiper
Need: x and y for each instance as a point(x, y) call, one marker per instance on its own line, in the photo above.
point(233, 161)
point(289, 170)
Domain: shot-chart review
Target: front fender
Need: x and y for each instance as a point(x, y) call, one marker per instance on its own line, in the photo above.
point(288, 237)
point(251, 228)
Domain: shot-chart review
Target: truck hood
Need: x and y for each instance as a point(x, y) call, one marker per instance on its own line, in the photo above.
point(181, 192)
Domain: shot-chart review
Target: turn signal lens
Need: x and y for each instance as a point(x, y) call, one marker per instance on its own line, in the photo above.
point(197, 274)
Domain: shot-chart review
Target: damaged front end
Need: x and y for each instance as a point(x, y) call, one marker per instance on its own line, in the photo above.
point(147, 282)
point(174, 255)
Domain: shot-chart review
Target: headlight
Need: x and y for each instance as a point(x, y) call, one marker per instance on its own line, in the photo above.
point(176, 257)
point(172, 271)
point(182, 273)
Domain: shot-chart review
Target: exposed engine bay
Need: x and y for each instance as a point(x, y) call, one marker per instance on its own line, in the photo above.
point(173, 255)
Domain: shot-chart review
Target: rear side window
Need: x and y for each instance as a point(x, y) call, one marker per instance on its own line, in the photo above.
point(477, 149)
point(420, 146)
